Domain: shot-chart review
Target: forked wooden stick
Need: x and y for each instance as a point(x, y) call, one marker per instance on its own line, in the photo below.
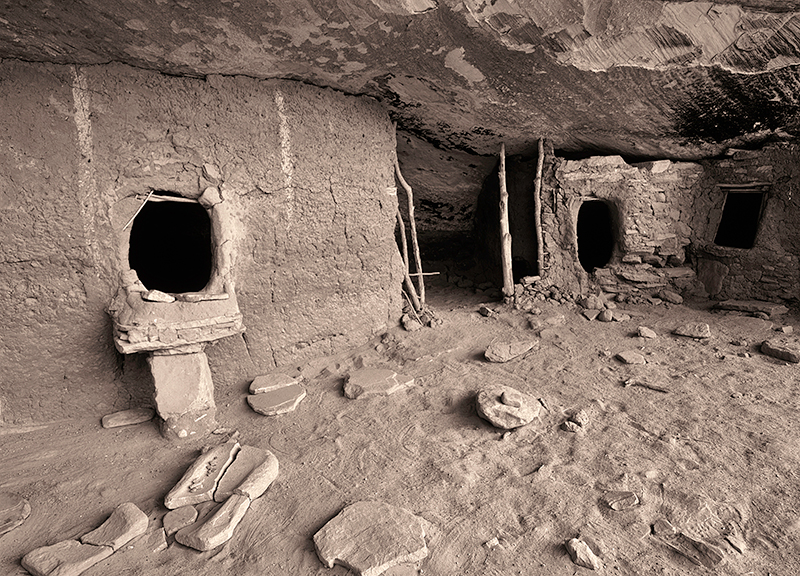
point(414, 299)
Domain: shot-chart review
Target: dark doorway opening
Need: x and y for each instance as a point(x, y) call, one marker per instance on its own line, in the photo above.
point(595, 234)
point(170, 246)
point(740, 218)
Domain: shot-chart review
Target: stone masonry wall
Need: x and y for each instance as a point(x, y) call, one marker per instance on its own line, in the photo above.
point(305, 174)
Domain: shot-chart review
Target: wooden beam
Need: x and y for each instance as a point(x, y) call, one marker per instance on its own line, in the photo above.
point(537, 209)
point(505, 234)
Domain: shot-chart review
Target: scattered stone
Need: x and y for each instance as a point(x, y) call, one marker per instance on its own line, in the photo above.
point(375, 381)
point(752, 306)
point(671, 296)
point(128, 417)
point(506, 351)
point(157, 296)
point(125, 523)
point(200, 480)
point(67, 558)
point(605, 316)
point(591, 314)
point(592, 302)
point(488, 312)
point(278, 401)
point(631, 357)
point(699, 330)
point(570, 426)
point(696, 551)
point(506, 407)
point(247, 460)
point(179, 518)
point(654, 301)
point(620, 500)
point(782, 348)
point(581, 418)
point(786, 329)
point(260, 478)
point(621, 317)
point(14, 510)
point(492, 544)
point(646, 332)
point(218, 528)
point(582, 555)
point(212, 173)
point(371, 537)
point(409, 323)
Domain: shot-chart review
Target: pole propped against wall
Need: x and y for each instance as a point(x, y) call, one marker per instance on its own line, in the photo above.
point(537, 207)
point(505, 234)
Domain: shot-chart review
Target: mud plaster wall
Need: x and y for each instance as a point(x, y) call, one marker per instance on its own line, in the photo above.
point(769, 270)
point(308, 177)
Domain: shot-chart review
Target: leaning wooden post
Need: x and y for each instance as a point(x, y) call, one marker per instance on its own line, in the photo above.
point(505, 234)
point(412, 225)
point(537, 208)
point(412, 292)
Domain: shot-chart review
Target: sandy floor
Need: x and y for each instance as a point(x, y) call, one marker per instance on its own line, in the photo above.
point(716, 455)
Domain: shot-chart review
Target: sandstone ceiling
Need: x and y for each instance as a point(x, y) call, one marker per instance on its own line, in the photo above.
point(645, 78)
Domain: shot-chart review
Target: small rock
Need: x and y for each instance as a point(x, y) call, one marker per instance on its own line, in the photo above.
point(200, 480)
point(570, 426)
point(125, 523)
point(492, 544)
point(621, 317)
point(786, 329)
point(375, 382)
point(591, 314)
point(218, 528)
point(506, 351)
point(671, 296)
point(128, 417)
point(371, 537)
point(278, 401)
point(410, 324)
point(582, 555)
point(14, 510)
point(782, 348)
point(67, 558)
point(179, 518)
point(646, 332)
point(620, 500)
point(581, 418)
point(260, 478)
point(605, 316)
point(631, 357)
point(212, 173)
point(488, 312)
point(491, 406)
point(698, 330)
point(157, 296)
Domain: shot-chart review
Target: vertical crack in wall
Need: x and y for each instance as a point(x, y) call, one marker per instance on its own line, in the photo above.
point(287, 166)
point(87, 185)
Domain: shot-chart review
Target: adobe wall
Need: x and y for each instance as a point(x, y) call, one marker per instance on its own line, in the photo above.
point(306, 178)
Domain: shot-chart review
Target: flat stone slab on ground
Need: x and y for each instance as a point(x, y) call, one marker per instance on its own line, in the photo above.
point(259, 479)
point(125, 523)
point(14, 510)
point(278, 400)
point(783, 348)
point(274, 381)
point(506, 407)
point(375, 381)
point(128, 417)
point(620, 500)
point(506, 351)
point(200, 480)
point(752, 306)
point(67, 558)
point(247, 461)
point(646, 332)
point(371, 537)
point(218, 528)
point(693, 330)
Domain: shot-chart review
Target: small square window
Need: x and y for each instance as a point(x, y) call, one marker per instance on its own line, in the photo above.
point(741, 216)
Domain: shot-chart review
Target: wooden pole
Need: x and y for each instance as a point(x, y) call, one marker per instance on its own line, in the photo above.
point(413, 226)
point(412, 292)
point(537, 207)
point(505, 234)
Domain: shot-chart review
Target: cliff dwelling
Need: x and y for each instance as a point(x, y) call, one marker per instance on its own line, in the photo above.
point(406, 288)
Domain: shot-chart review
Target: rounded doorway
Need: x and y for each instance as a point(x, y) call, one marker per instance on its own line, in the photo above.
point(595, 232)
